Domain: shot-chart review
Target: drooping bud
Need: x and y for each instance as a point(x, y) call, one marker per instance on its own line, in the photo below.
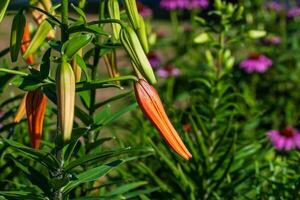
point(150, 103)
point(135, 50)
point(65, 89)
point(25, 43)
point(35, 110)
point(114, 13)
point(76, 68)
point(21, 110)
point(111, 65)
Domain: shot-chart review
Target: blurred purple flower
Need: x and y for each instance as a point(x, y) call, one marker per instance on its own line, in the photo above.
point(286, 139)
point(273, 40)
point(154, 59)
point(198, 4)
point(168, 71)
point(256, 63)
point(274, 6)
point(144, 11)
point(293, 12)
point(174, 4)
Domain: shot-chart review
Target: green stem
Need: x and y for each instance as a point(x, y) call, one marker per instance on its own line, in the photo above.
point(220, 54)
point(58, 195)
point(64, 20)
point(174, 21)
point(10, 71)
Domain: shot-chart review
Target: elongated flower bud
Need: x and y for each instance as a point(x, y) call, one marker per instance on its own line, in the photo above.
point(142, 34)
point(114, 13)
point(76, 68)
point(135, 50)
point(25, 43)
point(150, 103)
point(110, 61)
point(65, 83)
point(39, 17)
point(132, 13)
point(35, 110)
point(21, 110)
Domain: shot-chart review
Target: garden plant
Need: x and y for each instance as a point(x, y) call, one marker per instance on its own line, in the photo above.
point(178, 99)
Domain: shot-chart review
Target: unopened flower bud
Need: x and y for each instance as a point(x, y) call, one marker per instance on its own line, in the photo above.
point(35, 110)
point(150, 103)
point(65, 83)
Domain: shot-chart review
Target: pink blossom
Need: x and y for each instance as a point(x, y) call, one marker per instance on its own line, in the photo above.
point(154, 59)
point(273, 40)
point(144, 11)
point(168, 71)
point(256, 63)
point(274, 6)
point(293, 12)
point(286, 139)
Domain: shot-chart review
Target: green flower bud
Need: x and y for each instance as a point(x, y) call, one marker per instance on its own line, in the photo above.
point(132, 13)
point(114, 13)
point(135, 50)
point(142, 34)
point(38, 39)
point(65, 89)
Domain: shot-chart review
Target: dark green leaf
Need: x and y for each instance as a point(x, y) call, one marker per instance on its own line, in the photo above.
point(45, 66)
point(91, 175)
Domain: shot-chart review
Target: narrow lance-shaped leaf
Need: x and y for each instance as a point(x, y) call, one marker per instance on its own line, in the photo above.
point(3, 7)
point(72, 46)
point(17, 30)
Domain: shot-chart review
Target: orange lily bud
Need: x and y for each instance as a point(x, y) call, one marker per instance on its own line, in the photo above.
point(25, 43)
point(35, 110)
point(150, 103)
point(21, 110)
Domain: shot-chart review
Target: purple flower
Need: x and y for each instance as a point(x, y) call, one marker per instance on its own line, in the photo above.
point(256, 63)
point(293, 12)
point(174, 4)
point(273, 40)
point(154, 59)
point(198, 4)
point(144, 11)
point(286, 139)
point(274, 6)
point(168, 71)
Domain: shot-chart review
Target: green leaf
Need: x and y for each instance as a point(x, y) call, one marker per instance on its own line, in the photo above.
point(28, 83)
point(33, 175)
point(114, 98)
point(125, 188)
point(72, 46)
point(91, 175)
point(22, 195)
point(41, 156)
point(17, 30)
point(80, 12)
point(45, 66)
point(55, 44)
point(3, 7)
point(96, 157)
point(82, 65)
point(113, 117)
